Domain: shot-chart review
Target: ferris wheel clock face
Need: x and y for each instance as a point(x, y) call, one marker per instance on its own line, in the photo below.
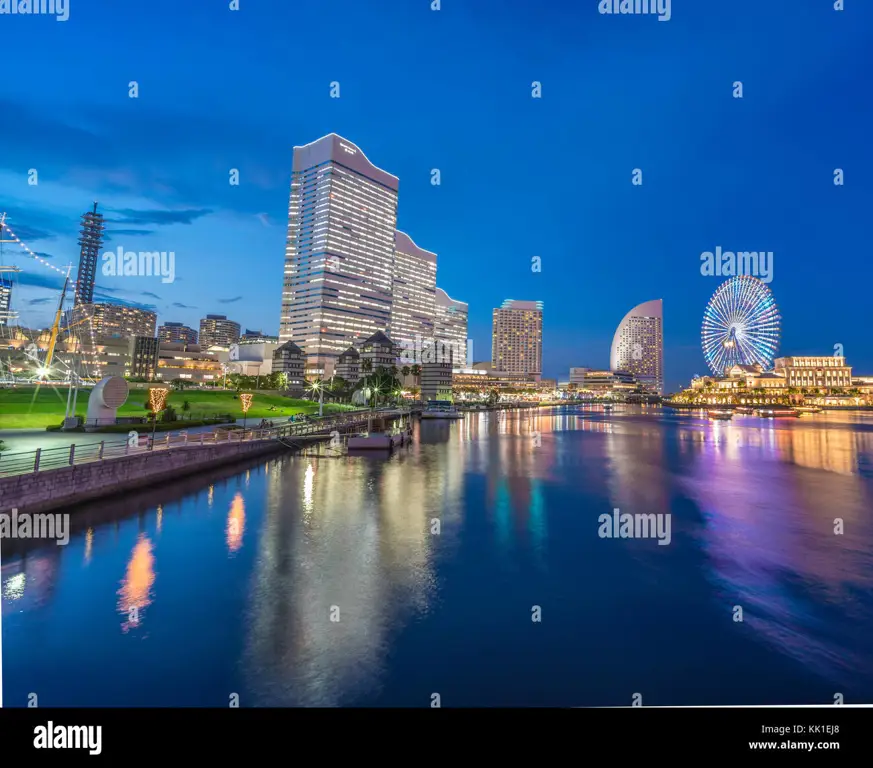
point(741, 325)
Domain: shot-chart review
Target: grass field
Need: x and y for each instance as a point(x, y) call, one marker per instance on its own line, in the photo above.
point(29, 408)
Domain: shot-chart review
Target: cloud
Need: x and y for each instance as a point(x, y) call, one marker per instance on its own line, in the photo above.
point(264, 219)
point(105, 289)
point(130, 232)
point(230, 301)
point(44, 255)
point(45, 300)
point(150, 295)
point(123, 302)
point(179, 305)
point(40, 280)
point(30, 234)
point(160, 218)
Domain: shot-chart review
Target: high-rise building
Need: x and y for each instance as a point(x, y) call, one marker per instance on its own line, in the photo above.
point(450, 326)
point(90, 244)
point(638, 345)
point(413, 293)
point(144, 357)
point(5, 300)
point(517, 337)
point(108, 319)
point(339, 255)
point(218, 331)
point(177, 332)
point(290, 360)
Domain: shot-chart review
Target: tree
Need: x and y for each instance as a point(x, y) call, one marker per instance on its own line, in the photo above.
point(186, 406)
point(416, 371)
point(366, 365)
point(405, 370)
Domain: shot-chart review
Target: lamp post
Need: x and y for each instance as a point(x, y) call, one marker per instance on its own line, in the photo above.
point(157, 401)
point(245, 399)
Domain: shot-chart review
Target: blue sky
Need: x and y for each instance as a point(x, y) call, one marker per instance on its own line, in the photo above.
point(521, 177)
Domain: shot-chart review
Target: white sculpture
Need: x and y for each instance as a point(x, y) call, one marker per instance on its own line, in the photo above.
point(106, 398)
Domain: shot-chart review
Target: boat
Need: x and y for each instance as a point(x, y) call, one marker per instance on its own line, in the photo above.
point(776, 413)
point(808, 409)
point(720, 415)
point(441, 409)
point(745, 410)
point(377, 437)
point(607, 407)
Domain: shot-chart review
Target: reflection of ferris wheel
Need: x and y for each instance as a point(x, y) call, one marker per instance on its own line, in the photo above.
point(741, 325)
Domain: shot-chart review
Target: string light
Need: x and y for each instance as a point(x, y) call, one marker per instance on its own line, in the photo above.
point(245, 400)
point(30, 252)
point(158, 399)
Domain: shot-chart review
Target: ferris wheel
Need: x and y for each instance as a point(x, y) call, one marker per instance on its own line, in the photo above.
point(741, 325)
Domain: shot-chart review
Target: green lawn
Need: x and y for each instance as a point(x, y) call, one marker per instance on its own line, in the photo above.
point(27, 408)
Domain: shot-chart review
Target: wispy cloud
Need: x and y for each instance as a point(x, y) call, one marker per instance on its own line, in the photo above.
point(179, 305)
point(230, 301)
point(160, 218)
point(35, 302)
point(129, 232)
point(150, 295)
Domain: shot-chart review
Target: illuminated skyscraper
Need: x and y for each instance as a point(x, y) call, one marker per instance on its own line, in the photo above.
point(638, 345)
point(90, 243)
point(450, 326)
point(218, 331)
point(413, 292)
point(339, 255)
point(517, 337)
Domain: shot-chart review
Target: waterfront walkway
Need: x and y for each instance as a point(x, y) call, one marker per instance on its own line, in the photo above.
point(288, 433)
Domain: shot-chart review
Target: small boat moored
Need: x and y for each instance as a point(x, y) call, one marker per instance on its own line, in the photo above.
point(720, 415)
point(776, 413)
point(808, 409)
point(745, 410)
point(441, 409)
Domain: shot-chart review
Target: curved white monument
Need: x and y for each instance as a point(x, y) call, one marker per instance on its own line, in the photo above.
point(106, 398)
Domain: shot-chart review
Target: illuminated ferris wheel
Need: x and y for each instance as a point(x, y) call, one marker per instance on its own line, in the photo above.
point(741, 325)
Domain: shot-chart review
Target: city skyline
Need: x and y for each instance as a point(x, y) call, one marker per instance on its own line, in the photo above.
point(162, 181)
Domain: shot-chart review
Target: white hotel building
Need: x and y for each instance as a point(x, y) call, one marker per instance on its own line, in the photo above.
point(414, 293)
point(339, 255)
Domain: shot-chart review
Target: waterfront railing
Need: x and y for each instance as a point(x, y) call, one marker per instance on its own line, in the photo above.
point(45, 459)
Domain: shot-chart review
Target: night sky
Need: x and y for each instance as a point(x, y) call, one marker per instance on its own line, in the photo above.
point(520, 176)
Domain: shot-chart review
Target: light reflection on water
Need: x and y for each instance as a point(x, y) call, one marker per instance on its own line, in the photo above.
point(326, 582)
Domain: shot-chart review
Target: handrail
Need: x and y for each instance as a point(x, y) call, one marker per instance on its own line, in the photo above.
point(46, 459)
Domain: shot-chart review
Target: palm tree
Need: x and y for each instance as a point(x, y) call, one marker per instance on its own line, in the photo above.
point(186, 406)
point(405, 370)
point(366, 365)
point(416, 371)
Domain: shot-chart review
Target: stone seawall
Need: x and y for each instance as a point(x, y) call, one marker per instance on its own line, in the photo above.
point(73, 485)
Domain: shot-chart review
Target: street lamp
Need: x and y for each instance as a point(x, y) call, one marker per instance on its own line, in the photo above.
point(245, 399)
point(157, 401)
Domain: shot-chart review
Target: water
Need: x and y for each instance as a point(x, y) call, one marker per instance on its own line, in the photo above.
point(234, 576)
